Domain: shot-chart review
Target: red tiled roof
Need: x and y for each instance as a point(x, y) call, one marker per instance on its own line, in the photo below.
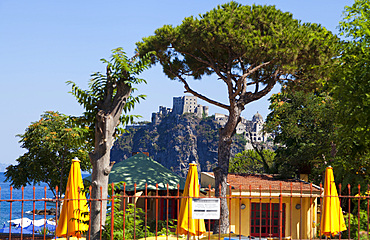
point(264, 182)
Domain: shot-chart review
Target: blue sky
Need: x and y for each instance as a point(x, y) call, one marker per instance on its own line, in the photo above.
point(45, 43)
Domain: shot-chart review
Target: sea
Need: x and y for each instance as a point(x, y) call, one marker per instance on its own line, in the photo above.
point(15, 208)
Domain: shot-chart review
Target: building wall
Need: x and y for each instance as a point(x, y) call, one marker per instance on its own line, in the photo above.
point(189, 104)
point(252, 130)
point(184, 104)
point(299, 223)
point(178, 103)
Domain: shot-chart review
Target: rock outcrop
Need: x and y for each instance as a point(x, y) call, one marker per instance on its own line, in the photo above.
point(175, 142)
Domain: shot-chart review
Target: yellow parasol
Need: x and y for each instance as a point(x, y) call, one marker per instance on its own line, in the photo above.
point(332, 220)
point(185, 223)
point(74, 207)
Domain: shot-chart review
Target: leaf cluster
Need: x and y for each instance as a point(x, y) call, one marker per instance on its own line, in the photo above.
point(303, 125)
point(355, 24)
point(249, 161)
point(354, 221)
point(351, 83)
point(104, 89)
point(126, 223)
point(243, 46)
point(51, 143)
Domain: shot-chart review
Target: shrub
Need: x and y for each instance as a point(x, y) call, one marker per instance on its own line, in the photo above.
point(354, 226)
point(133, 220)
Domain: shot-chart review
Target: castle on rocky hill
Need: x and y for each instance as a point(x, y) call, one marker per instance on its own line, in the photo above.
point(250, 129)
point(181, 105)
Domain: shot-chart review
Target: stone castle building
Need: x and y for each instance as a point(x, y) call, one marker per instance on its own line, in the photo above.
point(188, 104)
point(181, 105)
point(250, 129)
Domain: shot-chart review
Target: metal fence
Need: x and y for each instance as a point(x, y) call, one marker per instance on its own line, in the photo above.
point(253, 214)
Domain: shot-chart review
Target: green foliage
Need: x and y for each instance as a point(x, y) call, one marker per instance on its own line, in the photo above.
point(351, 87)
point(233, 38)
point(131, 218)
point(241, 139)
point(303, 125)
point(355, 24)
point(106, 88)
point(163, 226)
point(45, 231)
point(354, 220)
point(249, 161)
point(337, 128)
point(51, 144)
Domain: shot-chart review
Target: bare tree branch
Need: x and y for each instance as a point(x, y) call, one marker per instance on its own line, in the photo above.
point(250, 71)
point(257, 86)
point(108, 94)
point(209, 63)
point(259, 149)
point(189, 90)
point(229, 78)
point(194, 93)
point(120, 99)
point(249, 97)
point(242, 79)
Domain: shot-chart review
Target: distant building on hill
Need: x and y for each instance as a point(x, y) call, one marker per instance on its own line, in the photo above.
point(252, 130)
point(181, 105)
point(188, 104)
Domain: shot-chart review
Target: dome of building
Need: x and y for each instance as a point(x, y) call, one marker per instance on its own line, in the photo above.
point(257, 118)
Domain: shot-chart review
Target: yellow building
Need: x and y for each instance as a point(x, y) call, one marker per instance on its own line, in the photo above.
point(255, 201)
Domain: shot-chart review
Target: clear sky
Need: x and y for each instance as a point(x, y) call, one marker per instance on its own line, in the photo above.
point(45, 43)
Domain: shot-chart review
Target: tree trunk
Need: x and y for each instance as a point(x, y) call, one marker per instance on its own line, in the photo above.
point(100, 160)
point(221, 171)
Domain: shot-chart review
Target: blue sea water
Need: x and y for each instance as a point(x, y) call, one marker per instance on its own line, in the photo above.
point(16, 206)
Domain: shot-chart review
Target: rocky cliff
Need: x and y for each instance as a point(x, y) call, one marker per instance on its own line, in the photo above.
point(176, 141)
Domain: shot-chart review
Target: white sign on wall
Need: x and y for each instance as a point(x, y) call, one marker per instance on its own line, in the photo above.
point(206, 208)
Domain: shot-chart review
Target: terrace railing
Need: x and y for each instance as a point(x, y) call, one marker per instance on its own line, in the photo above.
point(142, 213)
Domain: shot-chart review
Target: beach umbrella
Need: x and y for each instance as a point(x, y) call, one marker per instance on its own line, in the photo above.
point(73, 216)
point(332, 220)
point(185, 223)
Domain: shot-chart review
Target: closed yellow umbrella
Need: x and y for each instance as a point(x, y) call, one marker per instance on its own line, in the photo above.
point(74, 207)
point(185, 223)
point(332, 220)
